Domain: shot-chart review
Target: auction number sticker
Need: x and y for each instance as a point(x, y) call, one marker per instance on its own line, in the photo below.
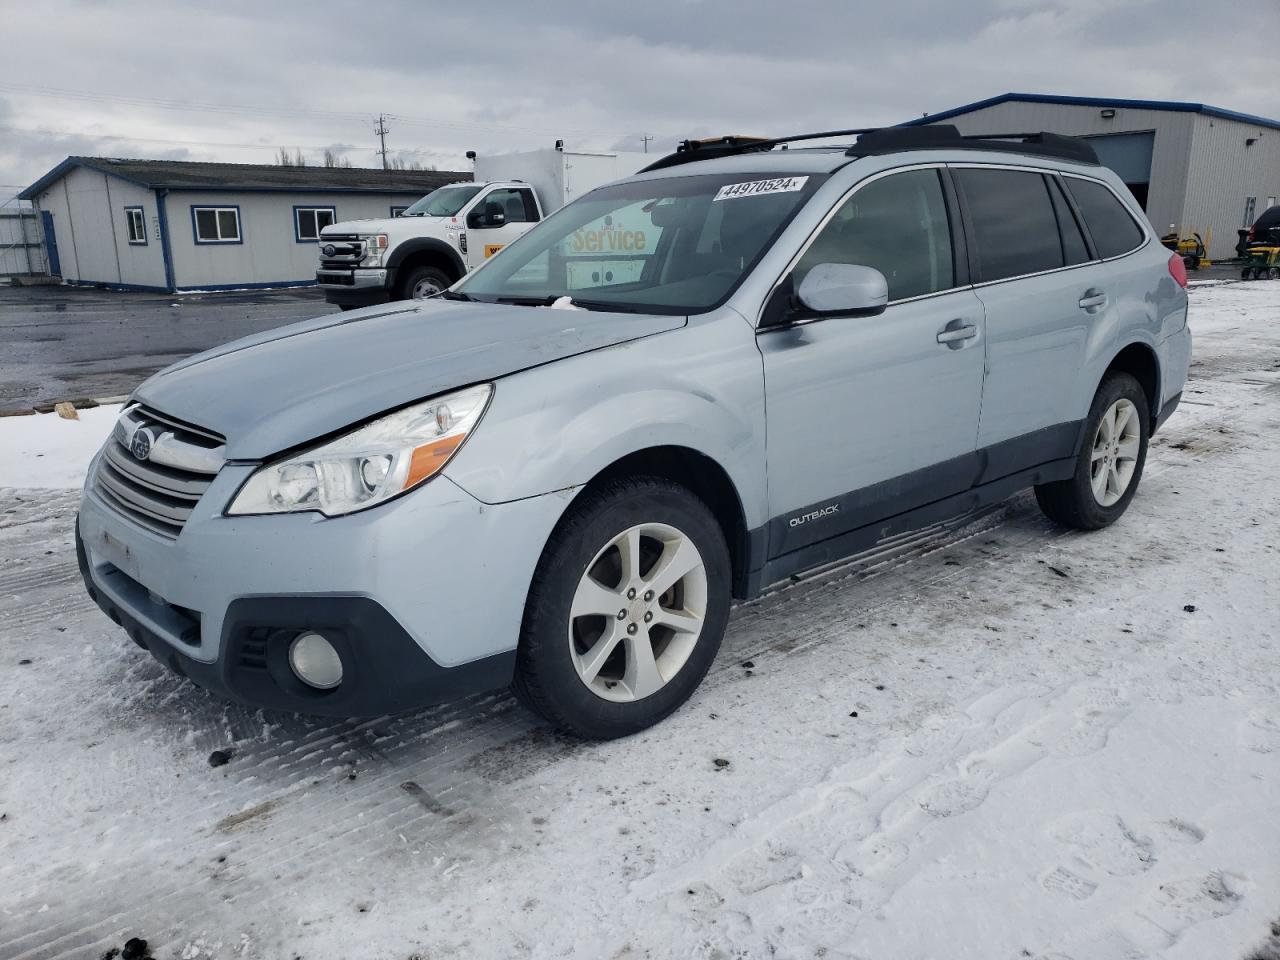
point(491, 248)
point(757, 188)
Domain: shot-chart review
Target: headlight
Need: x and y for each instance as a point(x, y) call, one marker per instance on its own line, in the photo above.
point(370, 464)
point(375, 245)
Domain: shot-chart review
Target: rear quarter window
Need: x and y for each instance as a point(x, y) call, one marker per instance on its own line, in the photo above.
point(1112, 227)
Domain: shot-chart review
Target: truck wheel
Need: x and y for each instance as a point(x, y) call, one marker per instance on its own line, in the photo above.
point(419, 283)
point(1110, 461)
point(626, 610)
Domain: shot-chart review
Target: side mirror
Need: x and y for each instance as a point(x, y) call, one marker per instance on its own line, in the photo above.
point(488, 214)
point(844, 288)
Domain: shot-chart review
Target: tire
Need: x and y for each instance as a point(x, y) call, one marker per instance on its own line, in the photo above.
point(1075, 502)
point(1246, 273)
point(417, 280)
point(1273, 273)
point(613, 694)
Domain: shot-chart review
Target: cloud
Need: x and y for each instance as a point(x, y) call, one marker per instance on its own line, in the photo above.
point(239, 80)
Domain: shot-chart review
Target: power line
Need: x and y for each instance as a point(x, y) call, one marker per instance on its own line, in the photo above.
point(248, 110)
point(40, 131)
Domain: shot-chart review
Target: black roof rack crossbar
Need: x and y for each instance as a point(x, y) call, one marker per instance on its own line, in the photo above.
point(879, 140)
point(691, 151)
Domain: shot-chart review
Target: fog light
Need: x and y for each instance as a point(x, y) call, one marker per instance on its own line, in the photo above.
point(315, 661)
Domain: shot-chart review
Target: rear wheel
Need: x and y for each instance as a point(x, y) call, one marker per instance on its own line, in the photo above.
point(626, 610)
point(418, 283)
point(1109, 465)
point(1273, 273)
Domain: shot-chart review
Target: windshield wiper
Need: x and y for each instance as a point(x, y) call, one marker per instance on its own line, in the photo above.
point(526, 301)
point(606, 306)
point(453, 295)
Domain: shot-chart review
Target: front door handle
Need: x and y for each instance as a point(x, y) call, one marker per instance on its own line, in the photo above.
point(1093, 300)
point(956, 332)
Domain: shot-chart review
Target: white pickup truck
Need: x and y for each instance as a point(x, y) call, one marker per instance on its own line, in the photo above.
point(457, 227)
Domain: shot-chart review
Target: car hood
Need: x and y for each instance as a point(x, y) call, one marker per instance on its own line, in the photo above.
point(285, 387)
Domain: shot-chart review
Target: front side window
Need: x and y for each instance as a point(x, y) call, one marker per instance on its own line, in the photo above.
point(1113, 230)
point(1015, 229)
point(309, 221)
point(517, 206)
point(444, 202)
point(135, 225)
point(398, 211)
point(897, 224)
point(669, 245)
point(216, 224)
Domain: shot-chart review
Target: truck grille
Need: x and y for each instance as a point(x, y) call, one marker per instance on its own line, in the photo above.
point(159, 489)
point(348, 250)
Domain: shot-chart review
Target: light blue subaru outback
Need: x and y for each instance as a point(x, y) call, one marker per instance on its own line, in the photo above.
point(753, 358)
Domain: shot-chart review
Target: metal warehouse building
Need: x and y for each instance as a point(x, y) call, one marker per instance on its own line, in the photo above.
point(169, 225)
point(1193, 167)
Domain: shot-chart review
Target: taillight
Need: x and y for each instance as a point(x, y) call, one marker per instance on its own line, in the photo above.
point(1178, 270)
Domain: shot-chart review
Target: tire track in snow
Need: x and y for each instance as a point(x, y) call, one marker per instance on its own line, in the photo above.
point(325, 746)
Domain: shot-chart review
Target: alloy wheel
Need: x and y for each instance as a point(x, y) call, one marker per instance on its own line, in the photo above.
point(637, 612)
point(1114, 457)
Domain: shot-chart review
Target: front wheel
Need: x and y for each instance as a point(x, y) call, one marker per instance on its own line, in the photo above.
point(1110, 461)
point(626, 610)
point(419, 283)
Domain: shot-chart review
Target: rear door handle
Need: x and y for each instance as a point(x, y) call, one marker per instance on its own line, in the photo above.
point(956, 332)
point(1093, 300)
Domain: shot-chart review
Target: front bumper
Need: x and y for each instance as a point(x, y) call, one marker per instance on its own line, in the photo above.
point(356, 286)
point(423, 596)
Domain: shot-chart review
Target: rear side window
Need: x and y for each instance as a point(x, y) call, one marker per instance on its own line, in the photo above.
point(1015, 229)
point(1074, 249)
point(1110, 225)
point(898, 225)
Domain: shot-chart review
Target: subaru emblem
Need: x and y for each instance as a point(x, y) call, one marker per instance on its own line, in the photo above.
point(329, 250)
point(140, 446)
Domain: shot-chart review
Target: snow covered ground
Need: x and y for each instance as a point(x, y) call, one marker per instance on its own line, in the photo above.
point(991, 739)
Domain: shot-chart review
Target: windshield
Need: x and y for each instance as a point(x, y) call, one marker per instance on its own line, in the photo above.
point(674, 245)
point(445, 202)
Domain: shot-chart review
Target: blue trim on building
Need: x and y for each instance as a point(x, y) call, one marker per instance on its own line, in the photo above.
point(297, 238)
point(195, 234)
point(1173, 106)
point(142, 210)
point(165, 250)
point(65, 167)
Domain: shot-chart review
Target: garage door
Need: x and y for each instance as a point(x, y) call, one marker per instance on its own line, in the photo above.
point(1129, 155)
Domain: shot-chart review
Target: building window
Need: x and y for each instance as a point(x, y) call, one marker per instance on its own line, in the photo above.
point(398, 211)
point(135, 226)
point(216, 224)
point(309, 221)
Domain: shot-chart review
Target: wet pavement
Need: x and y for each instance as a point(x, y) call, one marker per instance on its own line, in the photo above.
point(68, 343)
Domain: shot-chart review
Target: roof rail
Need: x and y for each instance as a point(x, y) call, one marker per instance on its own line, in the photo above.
point(691, 151)
point(879, 140)
point(944, 136)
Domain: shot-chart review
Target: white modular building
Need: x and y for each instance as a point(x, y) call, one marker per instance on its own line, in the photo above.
point(170, 225)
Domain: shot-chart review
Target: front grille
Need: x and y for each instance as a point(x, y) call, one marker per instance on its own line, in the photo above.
point(159, 490)
point(348, 250)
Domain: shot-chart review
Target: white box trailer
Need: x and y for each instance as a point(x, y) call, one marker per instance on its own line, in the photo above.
point(559, 176)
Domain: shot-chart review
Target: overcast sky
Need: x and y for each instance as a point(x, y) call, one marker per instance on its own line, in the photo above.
point(236, 81)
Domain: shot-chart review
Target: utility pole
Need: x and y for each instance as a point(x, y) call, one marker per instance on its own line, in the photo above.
point(381, 131)
point(645, 139)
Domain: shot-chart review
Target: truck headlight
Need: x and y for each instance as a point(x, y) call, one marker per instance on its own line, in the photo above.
point(372, 463)
point(375, 246)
